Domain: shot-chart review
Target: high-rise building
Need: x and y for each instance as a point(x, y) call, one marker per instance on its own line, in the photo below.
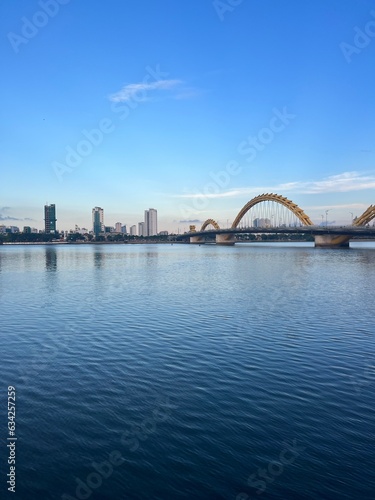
point(151, 222)
point(145, 227)
point(141, 229)
point(98, 220)
point(133, 230)
point(123, 229)
point(118, 227)
point(49, 218)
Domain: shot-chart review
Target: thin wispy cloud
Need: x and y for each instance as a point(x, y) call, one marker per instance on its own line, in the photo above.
point(224, 194)
point(355, 206)
point(7, 217)
point(341, 183)
point(138, 91)
point(190, 221)
point(187, 93)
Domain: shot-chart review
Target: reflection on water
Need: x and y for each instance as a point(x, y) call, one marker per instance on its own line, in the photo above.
point(99, 256)
point(51, 258)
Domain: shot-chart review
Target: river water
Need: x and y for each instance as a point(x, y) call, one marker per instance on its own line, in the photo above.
point(189, 372)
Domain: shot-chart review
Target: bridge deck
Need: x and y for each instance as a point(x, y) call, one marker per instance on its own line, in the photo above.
point(313, 230)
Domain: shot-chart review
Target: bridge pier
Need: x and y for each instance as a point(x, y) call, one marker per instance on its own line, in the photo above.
point(197, 239)
point(225, 239)
point(331, 241)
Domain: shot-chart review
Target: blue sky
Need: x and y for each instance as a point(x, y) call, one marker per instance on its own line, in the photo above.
point(177, 93)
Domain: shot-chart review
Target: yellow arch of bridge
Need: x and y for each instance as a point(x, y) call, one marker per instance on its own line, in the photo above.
point(298, 212)
point(209, 222)
point(366, 217)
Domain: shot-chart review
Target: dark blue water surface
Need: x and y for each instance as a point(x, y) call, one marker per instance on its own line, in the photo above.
point(201, 372)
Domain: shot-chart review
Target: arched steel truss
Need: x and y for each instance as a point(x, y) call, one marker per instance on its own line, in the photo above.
point(298, 212)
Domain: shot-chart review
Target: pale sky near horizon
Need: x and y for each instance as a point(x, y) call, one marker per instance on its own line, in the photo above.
point(179, 99)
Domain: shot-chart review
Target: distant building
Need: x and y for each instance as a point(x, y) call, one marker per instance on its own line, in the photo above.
point(27, 229)
point(109, 229)
point(163, 233)
point(49, 218)
point(118, 227)
point(133, 230)
point(151, 222)
point(141, 229)
point(10, 229)
point(123, 229)
point(98, 220)
point(2, 229)
point(79, 230)
point(261, 223)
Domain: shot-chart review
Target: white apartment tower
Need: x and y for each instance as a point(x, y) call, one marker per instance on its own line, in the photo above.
point(141, 229)
point(133, 230)
point(151, 222)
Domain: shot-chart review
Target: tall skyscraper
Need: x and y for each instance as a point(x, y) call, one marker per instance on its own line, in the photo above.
point(98, 220)
point(49, 218)
point(151, 222)
point(133, 230)
point(141, 229)
point(118, 227)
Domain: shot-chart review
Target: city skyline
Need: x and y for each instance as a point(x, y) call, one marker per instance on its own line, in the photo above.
point(149, 227)
point(194, 128)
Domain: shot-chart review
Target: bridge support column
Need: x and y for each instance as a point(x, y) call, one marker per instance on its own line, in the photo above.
point(197, 239)
point(225, 239)
point(332, 241)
